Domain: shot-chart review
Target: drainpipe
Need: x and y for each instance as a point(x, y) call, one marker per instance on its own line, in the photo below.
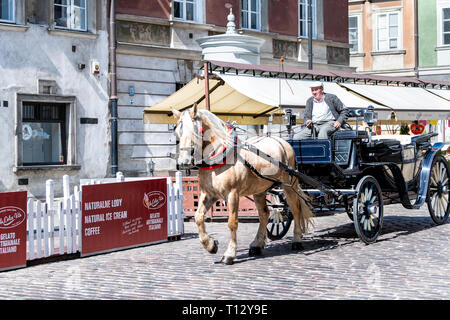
point(113, 86)
point(310, 51)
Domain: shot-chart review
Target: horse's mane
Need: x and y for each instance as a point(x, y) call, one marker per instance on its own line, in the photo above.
point(218, 126)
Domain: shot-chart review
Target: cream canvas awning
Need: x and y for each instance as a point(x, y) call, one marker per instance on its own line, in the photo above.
point(248, 99)
point(226, 102)
point(409, 103)
point(442, 93)
point(289, 92)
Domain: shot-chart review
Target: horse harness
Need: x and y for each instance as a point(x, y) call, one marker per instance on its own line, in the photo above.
point(227, 152)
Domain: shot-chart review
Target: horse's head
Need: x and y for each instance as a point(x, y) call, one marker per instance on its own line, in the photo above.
point(188, 132)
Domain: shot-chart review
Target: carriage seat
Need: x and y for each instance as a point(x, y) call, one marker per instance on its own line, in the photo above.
point(401, 138)
point(391, 148)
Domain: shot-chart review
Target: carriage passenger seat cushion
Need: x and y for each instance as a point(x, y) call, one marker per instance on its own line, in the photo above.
point(384, 150)
point(401, 138)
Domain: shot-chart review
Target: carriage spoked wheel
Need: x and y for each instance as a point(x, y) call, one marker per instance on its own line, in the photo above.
point(368, 209)
point(280, 218)
point(438, 190)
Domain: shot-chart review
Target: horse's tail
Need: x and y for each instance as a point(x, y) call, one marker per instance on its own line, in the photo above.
point(304, 206)
point(302, 203)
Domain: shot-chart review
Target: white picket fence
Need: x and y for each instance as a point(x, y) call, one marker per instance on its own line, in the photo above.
point(54, 226)
point(175, 219)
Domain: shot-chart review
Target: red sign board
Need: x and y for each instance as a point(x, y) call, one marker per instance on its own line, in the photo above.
point(123, 214)
point(13, 230)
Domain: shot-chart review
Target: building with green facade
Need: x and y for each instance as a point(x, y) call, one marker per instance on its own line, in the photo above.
point(434, 39)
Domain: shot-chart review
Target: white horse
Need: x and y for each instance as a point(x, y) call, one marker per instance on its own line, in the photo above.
point(226, 174)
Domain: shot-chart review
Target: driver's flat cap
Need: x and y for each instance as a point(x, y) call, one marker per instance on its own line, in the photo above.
point(316, 84)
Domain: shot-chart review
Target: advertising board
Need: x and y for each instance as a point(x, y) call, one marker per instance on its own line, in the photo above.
point(123, 215)
point(13, 230)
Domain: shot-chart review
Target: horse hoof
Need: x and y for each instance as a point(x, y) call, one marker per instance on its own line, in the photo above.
point(255, 251)
point(297, 246)
point(215, 247)
point(227, 260)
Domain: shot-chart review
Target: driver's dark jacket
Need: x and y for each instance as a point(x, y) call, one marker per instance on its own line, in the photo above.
point(337, 108)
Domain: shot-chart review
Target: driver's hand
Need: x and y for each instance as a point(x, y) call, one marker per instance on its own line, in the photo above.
point(337, 125)
point(308, 123)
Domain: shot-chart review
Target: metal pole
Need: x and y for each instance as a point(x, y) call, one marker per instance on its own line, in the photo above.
point(416, 38)
point(113, 87)
point(206, 71)
point(310, 52)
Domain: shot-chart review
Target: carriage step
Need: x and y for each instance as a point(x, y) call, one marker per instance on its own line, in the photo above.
point(342, 191)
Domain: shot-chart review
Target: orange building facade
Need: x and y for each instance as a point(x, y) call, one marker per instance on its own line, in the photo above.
point(383, 36)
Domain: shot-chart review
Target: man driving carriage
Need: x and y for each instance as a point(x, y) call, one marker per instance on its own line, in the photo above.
point(324, 113)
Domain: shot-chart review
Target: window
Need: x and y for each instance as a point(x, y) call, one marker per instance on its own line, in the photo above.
point(184, 9)
point(303, 18)
point(251, 14)
point(388, 32)
point(353, 33)
point(7, 10)
point(43, 133)
point(446, 26)
point(70, 14)
point(48, 132)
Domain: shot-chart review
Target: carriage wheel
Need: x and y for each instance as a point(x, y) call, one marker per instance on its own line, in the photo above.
point(438, 190)
point(368, 209)
point(280, 218)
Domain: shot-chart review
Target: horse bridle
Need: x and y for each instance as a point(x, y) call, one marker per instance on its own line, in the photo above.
point(195, 149)
point(196, 144)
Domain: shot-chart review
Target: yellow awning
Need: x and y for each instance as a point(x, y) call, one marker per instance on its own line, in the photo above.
point(226, 102)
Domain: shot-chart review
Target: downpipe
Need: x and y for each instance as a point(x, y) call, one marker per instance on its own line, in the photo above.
point(113, 87)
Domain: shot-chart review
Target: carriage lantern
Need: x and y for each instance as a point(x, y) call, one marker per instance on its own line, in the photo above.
point(370, 117)
point(290, 120)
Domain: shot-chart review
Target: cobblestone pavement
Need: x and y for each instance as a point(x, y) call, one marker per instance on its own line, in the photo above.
point(410, 260)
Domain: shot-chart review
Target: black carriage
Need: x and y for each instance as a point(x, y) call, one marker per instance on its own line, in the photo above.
point(358, 173)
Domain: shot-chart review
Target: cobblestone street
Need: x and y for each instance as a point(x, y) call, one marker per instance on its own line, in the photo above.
point(410, 260)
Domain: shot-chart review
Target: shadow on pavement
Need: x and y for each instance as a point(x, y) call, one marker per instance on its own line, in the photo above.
point(339, 236)
point(398, 225)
